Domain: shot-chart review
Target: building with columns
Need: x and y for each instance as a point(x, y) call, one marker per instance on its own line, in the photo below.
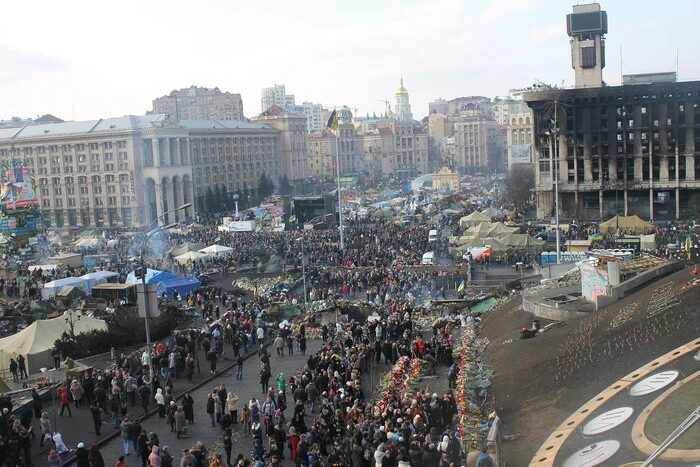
point(195, 103)
point(292, 148)
point(127, 171)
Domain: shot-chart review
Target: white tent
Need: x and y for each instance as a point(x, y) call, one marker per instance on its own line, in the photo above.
point(98, 277)
point(51, 288)
point(216, 250)
point(189, 256)
point(37, 340)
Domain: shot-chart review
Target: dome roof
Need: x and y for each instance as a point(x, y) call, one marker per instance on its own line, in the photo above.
point(344, 114)
point(402, 90)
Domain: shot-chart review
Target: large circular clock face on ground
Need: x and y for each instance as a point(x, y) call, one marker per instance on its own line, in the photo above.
point(627, 422)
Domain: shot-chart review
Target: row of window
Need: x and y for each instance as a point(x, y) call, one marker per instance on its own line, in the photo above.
point(85, 202)
point(54, 148)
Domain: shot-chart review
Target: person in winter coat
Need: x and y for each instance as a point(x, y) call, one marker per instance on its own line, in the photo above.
point(95, 457)
point(54, 459)
point(44, 427)
point(293, 442)
point(211, 409)
point(180, 422)
point(65, 401)
point(188, 407)
point(232, 406)
point(76, 390)
point(166, 459)
point(154, 457)
point(125, 433)
point(160, 402)
point(144, 451)
point(81, 456)
point(36, 403)
point(246, 419)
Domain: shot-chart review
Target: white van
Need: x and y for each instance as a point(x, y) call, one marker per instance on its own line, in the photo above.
point(432, 236)
point(428, 258)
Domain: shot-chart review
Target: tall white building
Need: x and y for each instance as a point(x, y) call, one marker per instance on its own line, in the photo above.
point(276, 95)
point(314, 116)
point(403, 107)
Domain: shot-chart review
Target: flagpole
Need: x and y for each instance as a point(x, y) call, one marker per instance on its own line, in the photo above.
point(340, 210)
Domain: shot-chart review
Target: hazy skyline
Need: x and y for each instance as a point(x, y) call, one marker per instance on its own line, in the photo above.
point(83, 60)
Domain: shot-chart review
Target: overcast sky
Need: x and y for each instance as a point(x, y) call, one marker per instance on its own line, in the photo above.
point(82, 60)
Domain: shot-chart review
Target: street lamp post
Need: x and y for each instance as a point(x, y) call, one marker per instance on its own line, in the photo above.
point(303, 265)
point(146, 303)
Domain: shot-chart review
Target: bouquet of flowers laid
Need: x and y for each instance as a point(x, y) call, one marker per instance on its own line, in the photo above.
point(402, 379)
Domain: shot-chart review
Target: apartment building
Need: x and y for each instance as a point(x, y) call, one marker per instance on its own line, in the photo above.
point(195, 103)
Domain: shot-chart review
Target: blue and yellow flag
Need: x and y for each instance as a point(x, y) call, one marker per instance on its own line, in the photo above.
point(258, 227)
point(688, 246)
point(461, 287)
point(292, 219)
point(333, 121)
point(217, 239)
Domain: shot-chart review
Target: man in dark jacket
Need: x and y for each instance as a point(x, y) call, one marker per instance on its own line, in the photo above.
point(81, 456)
point(96, 413)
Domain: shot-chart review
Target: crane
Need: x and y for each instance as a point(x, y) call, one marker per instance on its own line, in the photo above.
point(386, 105)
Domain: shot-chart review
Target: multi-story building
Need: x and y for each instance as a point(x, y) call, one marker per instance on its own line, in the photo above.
point(518, 126)
point(606, 150)
point(276, 95)
point(477, 145)
point(232, 154)
point(314, 116)
point(321, 146)
point(439, 106)
point(292, 148)
point(127, 171)
point(395, 149)
point(195, 103)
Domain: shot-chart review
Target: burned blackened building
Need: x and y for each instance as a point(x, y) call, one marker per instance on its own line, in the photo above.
point(606, 150)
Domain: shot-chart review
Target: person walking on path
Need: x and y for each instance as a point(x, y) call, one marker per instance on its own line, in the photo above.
point(44, 428)
point(239, 367)
point(210, 409)
point(125, 433)
point(279, 346)
point(65, 401)
point(76, 390)
point(145, 395)
point(265, 378)
point(96, 413)
point(180, 422)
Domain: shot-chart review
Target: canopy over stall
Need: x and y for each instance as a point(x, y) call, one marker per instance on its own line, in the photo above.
point(626, 225)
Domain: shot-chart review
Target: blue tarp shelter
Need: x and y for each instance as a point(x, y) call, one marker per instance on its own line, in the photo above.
point(181, 284)
point(153, 276)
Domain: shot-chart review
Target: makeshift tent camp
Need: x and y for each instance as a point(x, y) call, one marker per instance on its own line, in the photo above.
point(37, 340)
point(216, 250)
point(522, 242)
point(184, 248)
point(498, 229)
point(153, 276)
point(626, 225)
point(99, 277)
point(181, 284)
point(189, 257)
point(70, 292)
point(473, 219)
point(51, 288)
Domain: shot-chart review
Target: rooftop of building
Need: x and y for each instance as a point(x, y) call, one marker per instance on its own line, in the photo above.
point(631, 90)
point(126, 123)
